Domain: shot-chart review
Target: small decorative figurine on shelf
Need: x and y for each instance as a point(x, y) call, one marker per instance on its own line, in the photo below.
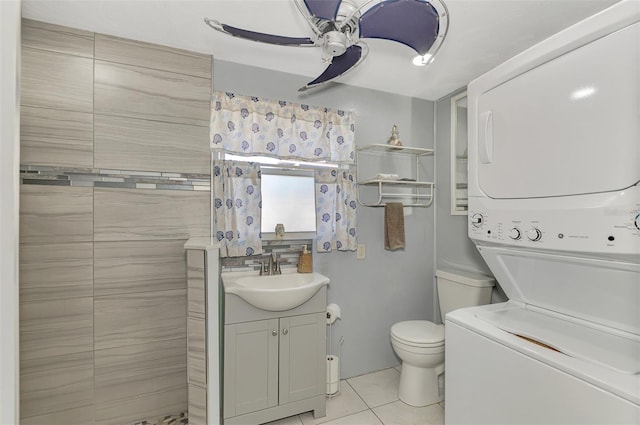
point(394, 139)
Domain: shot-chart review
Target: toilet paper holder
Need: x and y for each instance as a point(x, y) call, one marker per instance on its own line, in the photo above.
point(333, 313)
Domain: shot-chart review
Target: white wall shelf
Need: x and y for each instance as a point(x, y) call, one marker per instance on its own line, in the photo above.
point(421, 194)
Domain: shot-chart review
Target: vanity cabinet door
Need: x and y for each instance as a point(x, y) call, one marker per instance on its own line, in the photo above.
point(302, 357)
point(250, 366)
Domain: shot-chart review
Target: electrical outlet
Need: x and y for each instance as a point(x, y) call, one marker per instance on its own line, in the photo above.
point(362, 251)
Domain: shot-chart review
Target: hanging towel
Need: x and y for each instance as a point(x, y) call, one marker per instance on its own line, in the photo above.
point(393, 226)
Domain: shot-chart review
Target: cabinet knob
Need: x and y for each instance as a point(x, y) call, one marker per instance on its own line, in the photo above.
point(274, 333)
point(285, 331)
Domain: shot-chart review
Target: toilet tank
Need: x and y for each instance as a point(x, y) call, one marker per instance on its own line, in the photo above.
point(458, 289)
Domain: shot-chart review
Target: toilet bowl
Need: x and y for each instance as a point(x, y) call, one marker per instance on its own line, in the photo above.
point(420, 343)
point(420, 346)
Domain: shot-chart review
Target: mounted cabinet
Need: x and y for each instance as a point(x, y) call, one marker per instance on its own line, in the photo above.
point(459, 178)
point(408, 188)
point(275, 366)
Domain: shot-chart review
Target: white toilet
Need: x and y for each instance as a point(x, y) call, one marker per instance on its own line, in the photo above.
point(420, 343)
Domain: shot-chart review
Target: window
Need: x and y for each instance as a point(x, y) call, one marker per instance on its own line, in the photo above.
point(288, 193)
point(288, 197)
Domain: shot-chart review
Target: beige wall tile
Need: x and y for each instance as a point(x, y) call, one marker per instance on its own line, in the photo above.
point(195, 283)
point(153, 116)
point(56, 327)
point(130, 319)
point(56, 271)
point(197, 405)
point(128, 267)
point(56, 38)
point(132, 371)
point(56, 138)
point(131, 52)
point(196, 352)
point(55, 80)
point(153, 405)
point(77, 416)
point(53, 214)
point(134, 144)
point(137, 92)
point(55, 384)
point(129, 214)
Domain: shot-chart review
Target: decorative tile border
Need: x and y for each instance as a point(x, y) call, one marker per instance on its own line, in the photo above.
point(93, 177)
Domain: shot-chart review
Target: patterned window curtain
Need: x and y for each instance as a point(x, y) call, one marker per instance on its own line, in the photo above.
point(336, 211)
point(251, 126)
point(237, 203)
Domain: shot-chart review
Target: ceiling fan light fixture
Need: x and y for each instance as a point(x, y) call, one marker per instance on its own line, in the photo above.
point(422, 60)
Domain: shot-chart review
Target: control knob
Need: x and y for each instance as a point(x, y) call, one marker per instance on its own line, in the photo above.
point(515, 234)
point(477, 220)
point(534, 234)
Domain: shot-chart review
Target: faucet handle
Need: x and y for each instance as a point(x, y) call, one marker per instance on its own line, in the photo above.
point(277, 267)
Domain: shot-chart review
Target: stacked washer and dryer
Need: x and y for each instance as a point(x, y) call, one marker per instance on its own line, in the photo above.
point(554, 210)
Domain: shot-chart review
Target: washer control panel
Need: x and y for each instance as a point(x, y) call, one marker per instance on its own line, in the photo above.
point(614, 228)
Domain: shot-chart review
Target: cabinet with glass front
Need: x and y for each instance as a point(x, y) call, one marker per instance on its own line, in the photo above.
point(459, 197)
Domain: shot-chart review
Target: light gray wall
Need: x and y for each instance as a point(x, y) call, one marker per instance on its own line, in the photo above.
point(385, 287)
point(454, 249)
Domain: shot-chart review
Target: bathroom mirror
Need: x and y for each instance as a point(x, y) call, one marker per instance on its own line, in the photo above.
point(459, 201)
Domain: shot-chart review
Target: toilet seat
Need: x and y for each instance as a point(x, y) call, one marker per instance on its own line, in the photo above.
point(418, 333)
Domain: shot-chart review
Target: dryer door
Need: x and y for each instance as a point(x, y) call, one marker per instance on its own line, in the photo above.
point(569, 126)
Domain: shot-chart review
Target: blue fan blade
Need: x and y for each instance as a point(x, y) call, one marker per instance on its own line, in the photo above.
point(324, 9)
point(338, 66)
point(266, 38)
point(414, 23)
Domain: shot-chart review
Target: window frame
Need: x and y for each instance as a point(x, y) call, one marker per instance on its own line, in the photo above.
point(279, 166)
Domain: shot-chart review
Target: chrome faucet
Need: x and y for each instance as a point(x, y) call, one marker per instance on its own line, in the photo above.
point(273, 267)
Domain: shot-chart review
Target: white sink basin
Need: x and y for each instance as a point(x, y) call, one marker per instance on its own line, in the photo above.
point(274, 293)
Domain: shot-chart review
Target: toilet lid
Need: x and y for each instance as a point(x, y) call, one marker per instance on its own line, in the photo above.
point(418, 332)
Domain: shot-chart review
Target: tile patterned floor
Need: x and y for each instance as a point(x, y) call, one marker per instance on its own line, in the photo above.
point(371, 399)
point(178, 419)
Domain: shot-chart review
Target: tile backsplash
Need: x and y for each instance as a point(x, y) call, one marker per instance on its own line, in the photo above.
point(287, 253)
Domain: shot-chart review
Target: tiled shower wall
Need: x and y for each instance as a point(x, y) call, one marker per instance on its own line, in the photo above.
point(109, 127)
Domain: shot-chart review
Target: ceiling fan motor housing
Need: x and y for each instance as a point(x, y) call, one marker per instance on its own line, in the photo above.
point(335, 43)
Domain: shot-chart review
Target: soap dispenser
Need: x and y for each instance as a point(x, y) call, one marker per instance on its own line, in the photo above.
point(305, 263)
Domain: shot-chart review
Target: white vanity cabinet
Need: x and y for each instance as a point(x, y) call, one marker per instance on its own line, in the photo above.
point(274, 362)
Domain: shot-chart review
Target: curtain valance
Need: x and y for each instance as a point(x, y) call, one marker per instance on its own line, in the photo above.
point(254, 126)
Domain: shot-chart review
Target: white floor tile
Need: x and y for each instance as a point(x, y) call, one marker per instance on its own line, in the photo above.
point(338, 406)
point(377, 388)
point(363, 418)
point(399, 413)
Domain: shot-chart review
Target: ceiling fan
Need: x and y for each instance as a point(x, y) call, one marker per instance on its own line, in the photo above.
point(339, 27)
